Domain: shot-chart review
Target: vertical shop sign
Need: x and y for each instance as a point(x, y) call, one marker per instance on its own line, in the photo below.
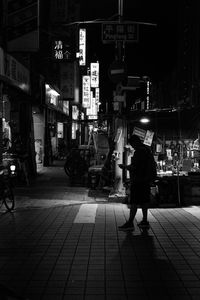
point(147, 97)
point(75, 112)
point(58, 50)
point(60, 130)
point(86, 91)
point(94, 73)
point(82, 46)
point(97, 98)
point(92, 110)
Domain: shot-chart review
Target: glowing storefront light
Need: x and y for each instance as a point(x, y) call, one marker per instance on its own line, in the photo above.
point(51, 95)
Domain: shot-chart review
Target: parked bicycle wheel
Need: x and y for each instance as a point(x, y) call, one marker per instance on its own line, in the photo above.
point(9, 199)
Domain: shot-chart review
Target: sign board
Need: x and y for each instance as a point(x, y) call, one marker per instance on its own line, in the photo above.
point(117, 71)
point(86, 93)
point(94, 74)
point(148, 138)
point(60, 130)
point(93, 109)
point(82, 47)
point(126, 32)
point(14, 71)
point(22, 24)
point(139, 132)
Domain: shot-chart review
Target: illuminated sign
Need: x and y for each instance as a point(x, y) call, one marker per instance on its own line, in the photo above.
point(75, 112)
point(86, 91)
point(97, 98)
point(66, 107)
point(94, 73)
point(147, 98)
point(59, 50)
point(82, 46)
point(60, 130)
point(97, 95)
point(92, 110)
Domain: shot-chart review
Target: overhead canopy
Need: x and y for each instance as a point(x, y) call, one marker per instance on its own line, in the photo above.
point(173, 124)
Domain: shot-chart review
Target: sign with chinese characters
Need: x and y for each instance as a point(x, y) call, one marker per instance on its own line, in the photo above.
point(60, 51)
point(127, 32)
point(86, 91)
point(82, 46)
point(94, 74)
point(91, 111)
point(148, 138)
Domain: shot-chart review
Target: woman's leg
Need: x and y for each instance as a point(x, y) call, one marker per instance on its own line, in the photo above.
point(145, 211)
point(133, 211)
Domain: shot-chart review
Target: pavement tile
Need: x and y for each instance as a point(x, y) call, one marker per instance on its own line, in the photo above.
point(50, 257)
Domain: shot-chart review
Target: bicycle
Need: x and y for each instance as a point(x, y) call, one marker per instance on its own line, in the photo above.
point(6, 191)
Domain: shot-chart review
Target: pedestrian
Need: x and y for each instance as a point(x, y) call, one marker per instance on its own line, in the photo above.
point(142, 173)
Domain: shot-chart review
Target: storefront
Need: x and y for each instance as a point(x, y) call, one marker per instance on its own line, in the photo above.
point(50, 127)
point(16, 106)
point(176, 148)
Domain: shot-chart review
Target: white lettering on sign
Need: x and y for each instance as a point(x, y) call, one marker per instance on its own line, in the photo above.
point(82, 46)
point(86, 91)
point(94, 73)
point(119, 32)
point(58, 49)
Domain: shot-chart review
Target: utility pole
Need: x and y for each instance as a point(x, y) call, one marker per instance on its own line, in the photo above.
point(119, 122)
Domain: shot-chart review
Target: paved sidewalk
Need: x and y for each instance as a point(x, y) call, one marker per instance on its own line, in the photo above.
point(60, 243)
point(45, 253)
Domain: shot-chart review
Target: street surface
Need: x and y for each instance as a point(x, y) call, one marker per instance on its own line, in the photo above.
point(61, 243)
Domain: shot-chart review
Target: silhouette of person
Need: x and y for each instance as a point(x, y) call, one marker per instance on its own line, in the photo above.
point(142, 172)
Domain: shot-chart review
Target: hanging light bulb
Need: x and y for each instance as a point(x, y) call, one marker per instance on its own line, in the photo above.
point(144, 120)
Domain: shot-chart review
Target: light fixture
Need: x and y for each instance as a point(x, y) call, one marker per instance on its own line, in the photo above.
point(144, 120)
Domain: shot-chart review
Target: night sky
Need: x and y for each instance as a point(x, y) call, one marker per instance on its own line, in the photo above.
point(156, 52)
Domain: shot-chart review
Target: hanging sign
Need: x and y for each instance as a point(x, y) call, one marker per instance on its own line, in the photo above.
point(94, 73)
point(86, 91)
point(148, 138)
point(82, 46)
